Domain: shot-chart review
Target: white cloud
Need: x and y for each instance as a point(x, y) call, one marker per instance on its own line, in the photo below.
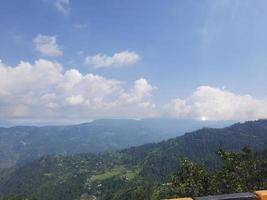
point(75, 100)
point(116, 60)
point(63, 6)
point(44, 90)
point(141, 90)
point(47, 45)
point(217, 104)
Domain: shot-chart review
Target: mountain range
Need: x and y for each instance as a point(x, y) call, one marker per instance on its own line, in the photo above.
point(128, 173)
point(21, 144)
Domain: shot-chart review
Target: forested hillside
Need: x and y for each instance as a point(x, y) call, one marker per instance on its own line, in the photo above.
point(134, 173)
point(24, 143)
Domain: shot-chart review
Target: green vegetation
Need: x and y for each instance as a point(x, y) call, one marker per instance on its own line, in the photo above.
point(18, 198)
point(241, 172)
point(150, 171)
point(19, 145)
point(115, 171)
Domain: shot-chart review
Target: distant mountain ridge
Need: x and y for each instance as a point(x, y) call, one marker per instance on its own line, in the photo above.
point(131, 172)
point(21, 144)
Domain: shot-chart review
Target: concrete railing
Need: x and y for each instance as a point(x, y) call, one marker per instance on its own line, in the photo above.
point(257, 195)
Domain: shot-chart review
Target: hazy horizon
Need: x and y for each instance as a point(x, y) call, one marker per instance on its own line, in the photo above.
point(62, 122)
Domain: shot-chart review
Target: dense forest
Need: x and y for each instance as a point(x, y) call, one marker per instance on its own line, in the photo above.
point(22, 144)
point(149, 171)
point(240, 172)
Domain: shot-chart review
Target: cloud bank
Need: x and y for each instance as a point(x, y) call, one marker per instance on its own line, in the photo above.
point(120, 59)
point(44, 90)
point(47, 45)
point(217, 104)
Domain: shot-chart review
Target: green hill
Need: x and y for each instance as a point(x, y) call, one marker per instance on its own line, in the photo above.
point(24, 143)
point(126, 173)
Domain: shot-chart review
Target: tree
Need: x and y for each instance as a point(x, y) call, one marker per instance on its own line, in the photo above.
point(241, 172)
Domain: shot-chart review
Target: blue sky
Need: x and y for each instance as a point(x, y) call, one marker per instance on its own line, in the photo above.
point(185, 50)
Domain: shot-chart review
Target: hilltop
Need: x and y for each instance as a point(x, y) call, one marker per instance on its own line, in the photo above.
point(124, 173)
point(22, 144)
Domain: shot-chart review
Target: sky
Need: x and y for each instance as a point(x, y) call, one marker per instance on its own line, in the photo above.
point(75, 59)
